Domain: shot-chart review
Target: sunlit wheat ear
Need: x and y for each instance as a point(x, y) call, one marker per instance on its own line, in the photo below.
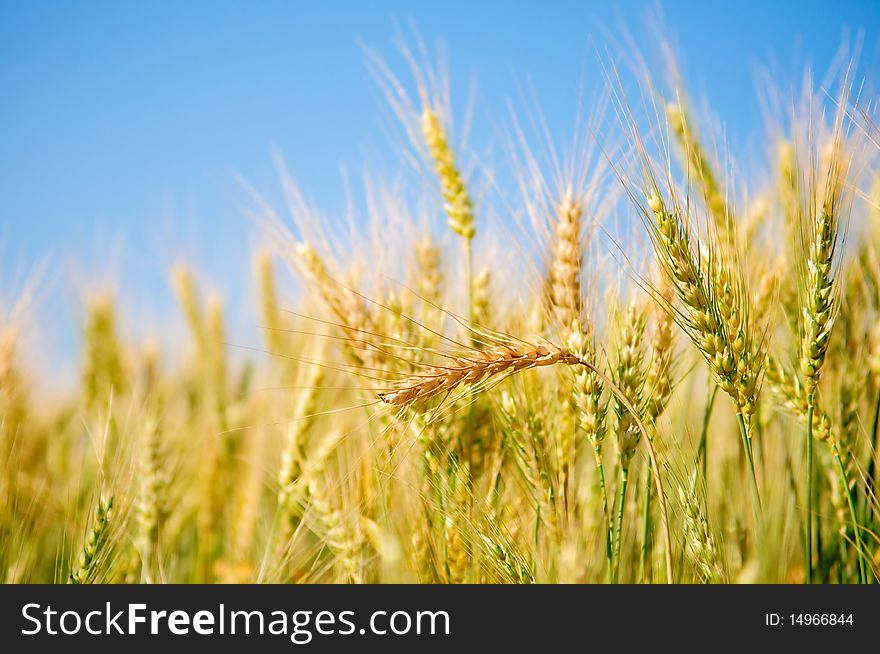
point(629, 375)
point(821, 236)
point(473, 368)
point(567, 258)
point(700, 542)
point(565, 303)
point(708, 281)
point(346, 306)
point(587, 388)
point(459, 207)
point(843, 479)
point(511, 566)
point(716, 314)
point(822, 221)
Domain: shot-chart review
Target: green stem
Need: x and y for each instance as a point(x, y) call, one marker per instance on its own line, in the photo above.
point(808, 514)
point(624, 473)
point(646, 527)
point(863, 577)
point(871, 477)
point(747, 446)
point(597, 452)
point(655, 465)
point(841, 555)
point(702, 449)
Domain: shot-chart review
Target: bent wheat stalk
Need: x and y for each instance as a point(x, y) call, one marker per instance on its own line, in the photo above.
point(506, 359)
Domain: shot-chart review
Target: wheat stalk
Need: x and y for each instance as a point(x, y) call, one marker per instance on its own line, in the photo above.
point(820, 234)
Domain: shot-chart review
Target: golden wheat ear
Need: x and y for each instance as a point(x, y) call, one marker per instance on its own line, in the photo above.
point(472, 368)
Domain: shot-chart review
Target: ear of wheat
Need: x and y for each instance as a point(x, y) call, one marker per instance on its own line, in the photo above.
point(458, 203)
point(472, 368)
point(716, 313)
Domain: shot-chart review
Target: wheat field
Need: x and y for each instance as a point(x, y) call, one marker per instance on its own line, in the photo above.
point(622, 358)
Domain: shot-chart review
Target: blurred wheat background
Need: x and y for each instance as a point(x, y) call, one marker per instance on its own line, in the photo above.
point(625, 354)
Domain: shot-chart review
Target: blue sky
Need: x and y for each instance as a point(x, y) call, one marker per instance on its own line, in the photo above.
point(122, 124)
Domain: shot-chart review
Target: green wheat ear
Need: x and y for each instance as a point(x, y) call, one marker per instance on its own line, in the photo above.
point(95, 543)
point(459, 207)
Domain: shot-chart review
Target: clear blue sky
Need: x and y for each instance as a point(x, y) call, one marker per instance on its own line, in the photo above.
point(126, 121)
